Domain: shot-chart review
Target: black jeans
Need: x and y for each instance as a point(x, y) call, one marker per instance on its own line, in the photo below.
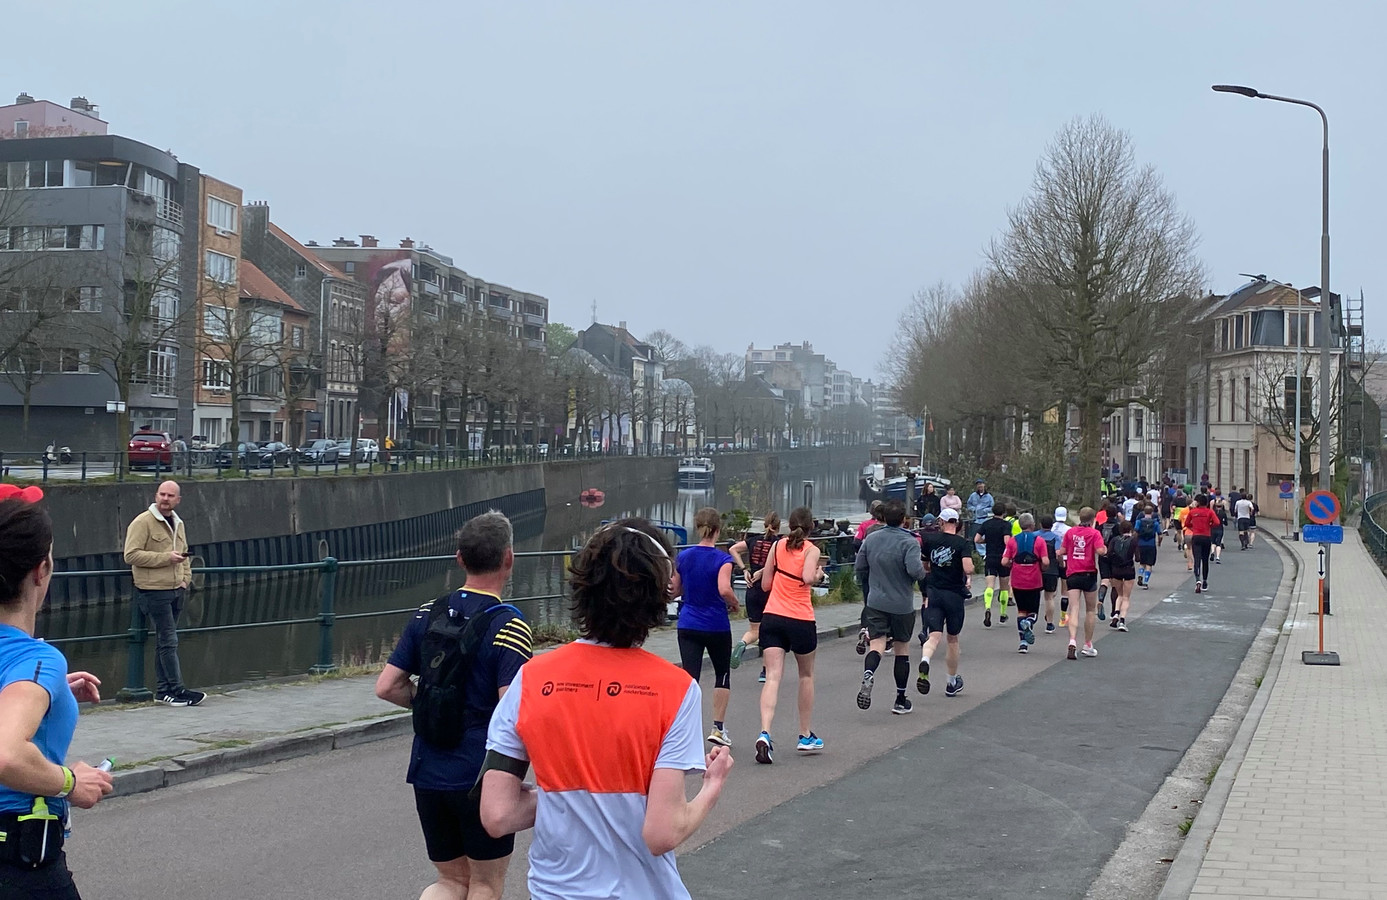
point(52, 882)
point(162, 609)
point(1200, 546)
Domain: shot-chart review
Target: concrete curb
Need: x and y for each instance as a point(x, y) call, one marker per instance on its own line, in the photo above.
point(195, 766)
point(1184, 871)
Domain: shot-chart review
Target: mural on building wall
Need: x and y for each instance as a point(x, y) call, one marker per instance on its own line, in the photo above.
point(389, 277)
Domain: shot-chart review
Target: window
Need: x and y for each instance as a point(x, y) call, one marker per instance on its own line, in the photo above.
point(1238, 332)
point(1247, 399)
point(220, 214)
point(349, 267)
point(1218, 467)
point(216, 322)
point(301, 270)
point(83, 173)
point(264, 328)
point(37, 174)
point(21, 128)
point(82, 299)
point(1137, 423)
point(159, 370)
point(296, 337)
point(1232, 400)
point(1305, 398)
point(1247, 468)
point(216, 374)
point(220, 267)
point(53, 237)
point(62, 359)
point(1218, 409)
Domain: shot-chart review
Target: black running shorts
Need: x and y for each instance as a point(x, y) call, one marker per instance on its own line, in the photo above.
point(1027, 601)
point(1124, 573)
point(1147, 555)
point(1104, 567)
point(943, 611)
point(452, 825)
point(1244, 524)
point(992, 565)
point(797, 636)
point(899, 627)
point(755, 602)
point(1083, 581)
point(1050, 581)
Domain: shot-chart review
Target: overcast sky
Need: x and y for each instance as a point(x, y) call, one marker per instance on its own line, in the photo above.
point(737, 172)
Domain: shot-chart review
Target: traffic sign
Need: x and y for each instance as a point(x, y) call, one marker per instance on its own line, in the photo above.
point(1288, 487)
point(1322, 534)
point(1321, 507)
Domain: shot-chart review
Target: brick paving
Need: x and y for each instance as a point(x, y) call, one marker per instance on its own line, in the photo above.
point(1309, 802)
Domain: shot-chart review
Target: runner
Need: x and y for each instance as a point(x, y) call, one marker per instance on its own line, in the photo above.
point(752, 561)
point(867, 526)
point(1122, 556)
point(1166, 506)
point(1252, 526)
point(1080, 550)
point(950, 559)
point(703, 577)
point(788, 627)
point(889, 566)
point(1059, 528)
point(1050, 577)
point(1148, 533)
point(1219, 504)
point(1110, 517)
point(1026, 556)
point(1200, 522)
point(1243, 510)
point(992, 534)
point(1129, 505)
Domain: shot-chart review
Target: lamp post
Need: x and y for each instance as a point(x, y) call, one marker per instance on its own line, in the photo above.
point(1326, 474)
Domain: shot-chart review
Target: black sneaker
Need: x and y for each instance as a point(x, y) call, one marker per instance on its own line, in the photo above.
point(1113, 622)
point(862, 641)
point(902, 707)
point(954, 686)
point(987, 618)
point(171, 699)
point(864, 693)
point(922, 683)
point(192, 698)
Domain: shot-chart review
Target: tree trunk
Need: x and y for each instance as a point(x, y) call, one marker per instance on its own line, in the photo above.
point(1090, 451)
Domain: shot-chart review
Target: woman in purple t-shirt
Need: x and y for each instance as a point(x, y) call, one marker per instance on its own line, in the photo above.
point(703, 577)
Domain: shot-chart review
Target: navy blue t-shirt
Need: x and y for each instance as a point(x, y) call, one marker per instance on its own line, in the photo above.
point(703, 608)
point(506, 646)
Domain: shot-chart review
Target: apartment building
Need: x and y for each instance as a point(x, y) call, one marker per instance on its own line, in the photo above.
point(335, 303)
point(218, 310)
point(98, 257)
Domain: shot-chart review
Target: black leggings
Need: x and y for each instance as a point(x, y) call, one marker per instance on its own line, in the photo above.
point(719, 646)
point(1200, 545)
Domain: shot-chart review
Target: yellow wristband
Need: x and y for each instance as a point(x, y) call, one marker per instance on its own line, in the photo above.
point(69, 782)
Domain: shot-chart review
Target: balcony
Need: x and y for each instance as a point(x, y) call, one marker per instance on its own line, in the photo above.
point(535, 344)
point(168, 210)
point(431, 287)
point(534, 319)
point(501, 312)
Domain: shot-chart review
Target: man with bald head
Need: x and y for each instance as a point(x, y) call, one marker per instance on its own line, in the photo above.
point(156, 547)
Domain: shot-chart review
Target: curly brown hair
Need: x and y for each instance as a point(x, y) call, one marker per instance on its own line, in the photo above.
point(620, 582)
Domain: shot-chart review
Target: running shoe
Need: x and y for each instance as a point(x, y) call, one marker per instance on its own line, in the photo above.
point(889, 644)
point(1073, 650)
point(719, 736)
point(1101, 615)
point(1089, 650)
point(762, 677)
point(902, 706)
point(1003, 618)
point(954, 686)
point(1122, 624)
point(737, 652)
point(809, 743)
point(864, 693)
point(1197, 588)
point(862, 641)
point(1206, 585)
point(1064, 617)
point(922, 683)
point(1146, 585)
point(987, 618)
point(1218, 561)
point(1024, 648)
point(1049, 627)
point(1113, 623)
point(1028, 633)
point(764, 749)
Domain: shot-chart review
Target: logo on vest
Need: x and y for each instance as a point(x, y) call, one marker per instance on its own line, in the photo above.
point(613, 688)
point(436, 661)
point(547, 689)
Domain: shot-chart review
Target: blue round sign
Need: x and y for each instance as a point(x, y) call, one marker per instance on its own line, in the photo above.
point(1322, 507)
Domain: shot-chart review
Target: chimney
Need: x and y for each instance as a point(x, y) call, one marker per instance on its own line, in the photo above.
point(343, 242)
point(83, 106)
point(407, 244)
point(311, 244)
point(23, 98)
point(369, 240)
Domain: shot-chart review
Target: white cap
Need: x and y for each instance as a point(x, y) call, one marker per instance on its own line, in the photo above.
point(948, 515)
point(1061, 514)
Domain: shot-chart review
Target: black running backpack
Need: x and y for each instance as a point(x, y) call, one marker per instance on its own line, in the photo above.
point(449, 650)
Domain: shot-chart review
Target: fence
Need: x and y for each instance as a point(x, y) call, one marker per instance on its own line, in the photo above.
point(541, 577)
point(1373, 534)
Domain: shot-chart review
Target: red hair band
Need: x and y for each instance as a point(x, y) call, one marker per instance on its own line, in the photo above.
point(31, 494)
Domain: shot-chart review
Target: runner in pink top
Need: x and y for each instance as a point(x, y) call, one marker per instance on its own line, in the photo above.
point(1026, 554)
point(1080, 549)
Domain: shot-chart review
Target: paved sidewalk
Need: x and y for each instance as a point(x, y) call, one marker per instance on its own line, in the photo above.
point(159, 746)
point(1308, 804)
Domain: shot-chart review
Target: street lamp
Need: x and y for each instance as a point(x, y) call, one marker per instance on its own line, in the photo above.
point(1326, 475)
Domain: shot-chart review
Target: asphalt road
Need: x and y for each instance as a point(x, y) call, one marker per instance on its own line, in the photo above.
point(1024, 785)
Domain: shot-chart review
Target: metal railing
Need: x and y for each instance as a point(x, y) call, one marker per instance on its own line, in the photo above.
point(1373, 534)
point(836, 548)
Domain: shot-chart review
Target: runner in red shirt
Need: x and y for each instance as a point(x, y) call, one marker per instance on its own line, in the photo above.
point(1200, 522)
point(1079, 551)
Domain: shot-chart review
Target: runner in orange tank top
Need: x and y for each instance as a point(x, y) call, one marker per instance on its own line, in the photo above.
point(788, 627)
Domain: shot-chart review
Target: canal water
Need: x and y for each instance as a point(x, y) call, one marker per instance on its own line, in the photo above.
point(372, 602)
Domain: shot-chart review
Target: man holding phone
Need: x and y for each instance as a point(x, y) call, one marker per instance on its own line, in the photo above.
point(156, 547)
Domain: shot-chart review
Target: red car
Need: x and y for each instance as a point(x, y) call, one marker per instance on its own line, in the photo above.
point(150, 447)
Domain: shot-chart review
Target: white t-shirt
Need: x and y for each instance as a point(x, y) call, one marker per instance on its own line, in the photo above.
point(1127, 506)
point(1243, 508)
point(1154, 495)
point(592, 787)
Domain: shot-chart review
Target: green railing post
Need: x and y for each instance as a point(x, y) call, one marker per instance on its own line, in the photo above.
point(134, 690)
point(326, 615)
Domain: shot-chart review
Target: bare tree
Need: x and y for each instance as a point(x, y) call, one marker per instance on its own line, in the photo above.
point(1096, 265)
point(242, 343)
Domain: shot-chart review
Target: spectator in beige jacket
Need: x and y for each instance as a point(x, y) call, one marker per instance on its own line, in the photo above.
point(156, 547)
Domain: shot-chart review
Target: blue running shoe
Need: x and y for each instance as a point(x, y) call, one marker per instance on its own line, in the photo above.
point(1028, 633)
point(810, 743)
point(954, 686)
point(764, 749)
point(762, 677)
point(737, 652)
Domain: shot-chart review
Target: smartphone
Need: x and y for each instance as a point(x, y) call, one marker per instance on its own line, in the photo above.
point(106, 764)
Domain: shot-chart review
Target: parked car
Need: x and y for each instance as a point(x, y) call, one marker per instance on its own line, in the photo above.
point(242, 454)
point(323, 451)
point(276, 453)
point(149, 448)
point(366, 450)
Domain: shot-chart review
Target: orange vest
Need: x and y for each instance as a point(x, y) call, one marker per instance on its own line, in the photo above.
point(790, 596)
point(593, 718)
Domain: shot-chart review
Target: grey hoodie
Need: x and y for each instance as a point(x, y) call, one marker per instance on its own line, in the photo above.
point(889, 566)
